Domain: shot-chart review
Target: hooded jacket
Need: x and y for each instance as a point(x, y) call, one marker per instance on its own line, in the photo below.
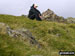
point(33, 11)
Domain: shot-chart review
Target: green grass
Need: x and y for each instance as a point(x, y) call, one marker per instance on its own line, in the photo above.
point(45, 32)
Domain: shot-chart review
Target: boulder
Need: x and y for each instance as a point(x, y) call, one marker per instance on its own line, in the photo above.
point(24, 33)
point(70, 20)
point(49, 15)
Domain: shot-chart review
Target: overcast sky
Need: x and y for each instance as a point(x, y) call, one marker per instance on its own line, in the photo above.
point(65, 8)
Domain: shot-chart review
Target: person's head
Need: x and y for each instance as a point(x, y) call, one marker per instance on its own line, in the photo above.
point(35, 5)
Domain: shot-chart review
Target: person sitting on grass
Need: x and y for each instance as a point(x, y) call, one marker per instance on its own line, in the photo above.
point(34, 13)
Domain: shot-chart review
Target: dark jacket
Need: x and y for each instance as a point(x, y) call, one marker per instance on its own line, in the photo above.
point(33, 11)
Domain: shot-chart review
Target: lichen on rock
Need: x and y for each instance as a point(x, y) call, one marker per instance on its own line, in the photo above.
point(24, 33)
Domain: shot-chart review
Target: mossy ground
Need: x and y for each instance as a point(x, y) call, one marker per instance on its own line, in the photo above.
point(53, 37)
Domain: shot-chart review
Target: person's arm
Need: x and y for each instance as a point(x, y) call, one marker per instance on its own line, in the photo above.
point(34, 11)
point(39, 12)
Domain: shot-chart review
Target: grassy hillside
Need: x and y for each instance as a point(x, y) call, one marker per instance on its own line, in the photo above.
point(52, 36)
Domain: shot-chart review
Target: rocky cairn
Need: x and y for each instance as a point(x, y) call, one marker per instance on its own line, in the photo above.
point(49, 15)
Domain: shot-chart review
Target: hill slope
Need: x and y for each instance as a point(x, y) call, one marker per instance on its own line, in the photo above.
point(52, 36)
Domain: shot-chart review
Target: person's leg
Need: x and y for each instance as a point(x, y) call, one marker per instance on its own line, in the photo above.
point(32, 17)
point(38, 18)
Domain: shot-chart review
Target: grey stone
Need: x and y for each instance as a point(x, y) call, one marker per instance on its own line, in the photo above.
point(70, 20)
point(58, 35)
point(24, 33)
point(49, 15)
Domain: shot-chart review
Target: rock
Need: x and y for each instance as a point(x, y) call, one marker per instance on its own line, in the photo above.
point(58, 35)
point(24, 15)
point(24, 33)
point(70, 20)
point(3, 28)
point(49, 15)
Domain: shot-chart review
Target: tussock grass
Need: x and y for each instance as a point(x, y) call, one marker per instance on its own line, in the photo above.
point(53, 37)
